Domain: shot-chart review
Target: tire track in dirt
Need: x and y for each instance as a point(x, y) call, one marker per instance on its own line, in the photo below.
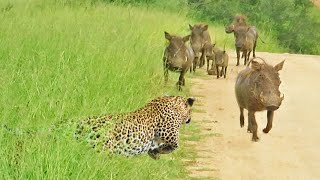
point(290, 150)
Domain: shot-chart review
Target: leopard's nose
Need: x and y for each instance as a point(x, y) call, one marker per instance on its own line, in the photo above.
point(188, 121)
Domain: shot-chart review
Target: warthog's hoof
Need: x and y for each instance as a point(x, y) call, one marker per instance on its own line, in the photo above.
point(255, 139)
point(212, 72)
point(265, 130)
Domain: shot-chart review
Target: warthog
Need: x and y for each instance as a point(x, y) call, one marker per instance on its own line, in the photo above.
point(212, 59)
point(240, 22)
point(257, 89)
point(245, 41)
point(200, 43)
point(177, 57)
point(221, 60)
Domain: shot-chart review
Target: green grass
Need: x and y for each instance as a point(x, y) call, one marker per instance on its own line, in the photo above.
point(315, 14)
point(65, 60)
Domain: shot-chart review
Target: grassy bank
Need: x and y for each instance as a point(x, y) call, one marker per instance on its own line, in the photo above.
point(68, 61)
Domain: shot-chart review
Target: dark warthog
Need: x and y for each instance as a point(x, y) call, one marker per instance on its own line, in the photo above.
point(200, 43)
point(177, 57)
point(257, 89)
point(245, 41)
point(240, 22)
point(221, 60)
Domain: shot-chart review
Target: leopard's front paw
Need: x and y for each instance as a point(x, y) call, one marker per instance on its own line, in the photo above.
point(154, 154)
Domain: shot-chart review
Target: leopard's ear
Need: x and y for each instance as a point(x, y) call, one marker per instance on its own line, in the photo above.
point(191, 100)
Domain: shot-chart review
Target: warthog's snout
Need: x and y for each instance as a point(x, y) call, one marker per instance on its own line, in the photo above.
point(272, 108)
point(239, 45)
point(272, 102)
point(228, 29)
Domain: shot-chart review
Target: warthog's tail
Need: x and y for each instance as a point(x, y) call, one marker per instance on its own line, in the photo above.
point(261, 40)
point(255, 58)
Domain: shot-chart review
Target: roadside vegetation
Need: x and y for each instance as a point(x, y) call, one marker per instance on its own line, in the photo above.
point(292, 24)
point(63, 62)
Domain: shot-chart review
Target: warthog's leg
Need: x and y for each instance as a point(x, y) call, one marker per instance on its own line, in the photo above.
point(249, 128)
point(269, 124)
point(166, 74)
point(208, 64)
point(225, 71)
point(247, 59)
point(165, 69)
point(254, 125)
point(241, 117)
point(212, 64)
point(254, 48)
point(222, 71)
point(218, 74)
point(195, 63)
point(202, 58)
point(238, 56)
point(181, 80)
point(179, 86)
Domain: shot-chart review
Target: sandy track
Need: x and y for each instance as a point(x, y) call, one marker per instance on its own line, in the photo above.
point(291, 150)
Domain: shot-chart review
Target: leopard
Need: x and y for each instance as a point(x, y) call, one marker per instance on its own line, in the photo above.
point(153, 128)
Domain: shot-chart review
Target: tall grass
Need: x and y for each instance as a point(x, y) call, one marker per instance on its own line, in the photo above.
point(63, 60)
point(214, 17)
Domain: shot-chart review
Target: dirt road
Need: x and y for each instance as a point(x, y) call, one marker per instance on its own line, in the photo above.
point(291, 150)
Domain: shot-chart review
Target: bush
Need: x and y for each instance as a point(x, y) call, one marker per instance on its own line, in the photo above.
point(288, 20)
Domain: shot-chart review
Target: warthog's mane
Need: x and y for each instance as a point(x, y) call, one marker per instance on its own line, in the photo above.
point(255, 59)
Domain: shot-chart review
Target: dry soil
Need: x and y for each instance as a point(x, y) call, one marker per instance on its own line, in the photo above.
point(291, 150)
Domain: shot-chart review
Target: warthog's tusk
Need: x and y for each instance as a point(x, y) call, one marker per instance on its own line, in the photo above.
point(282, 97)
point(261, 97)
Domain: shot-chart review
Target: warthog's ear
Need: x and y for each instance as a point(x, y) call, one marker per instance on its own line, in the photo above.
point(191, 27)
point(191, 100)
point(279, 66)
point(167, 35)
point(248, 28)
point(186, 38)
point(214, 44)
point(255, 65)
point(204, 27)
